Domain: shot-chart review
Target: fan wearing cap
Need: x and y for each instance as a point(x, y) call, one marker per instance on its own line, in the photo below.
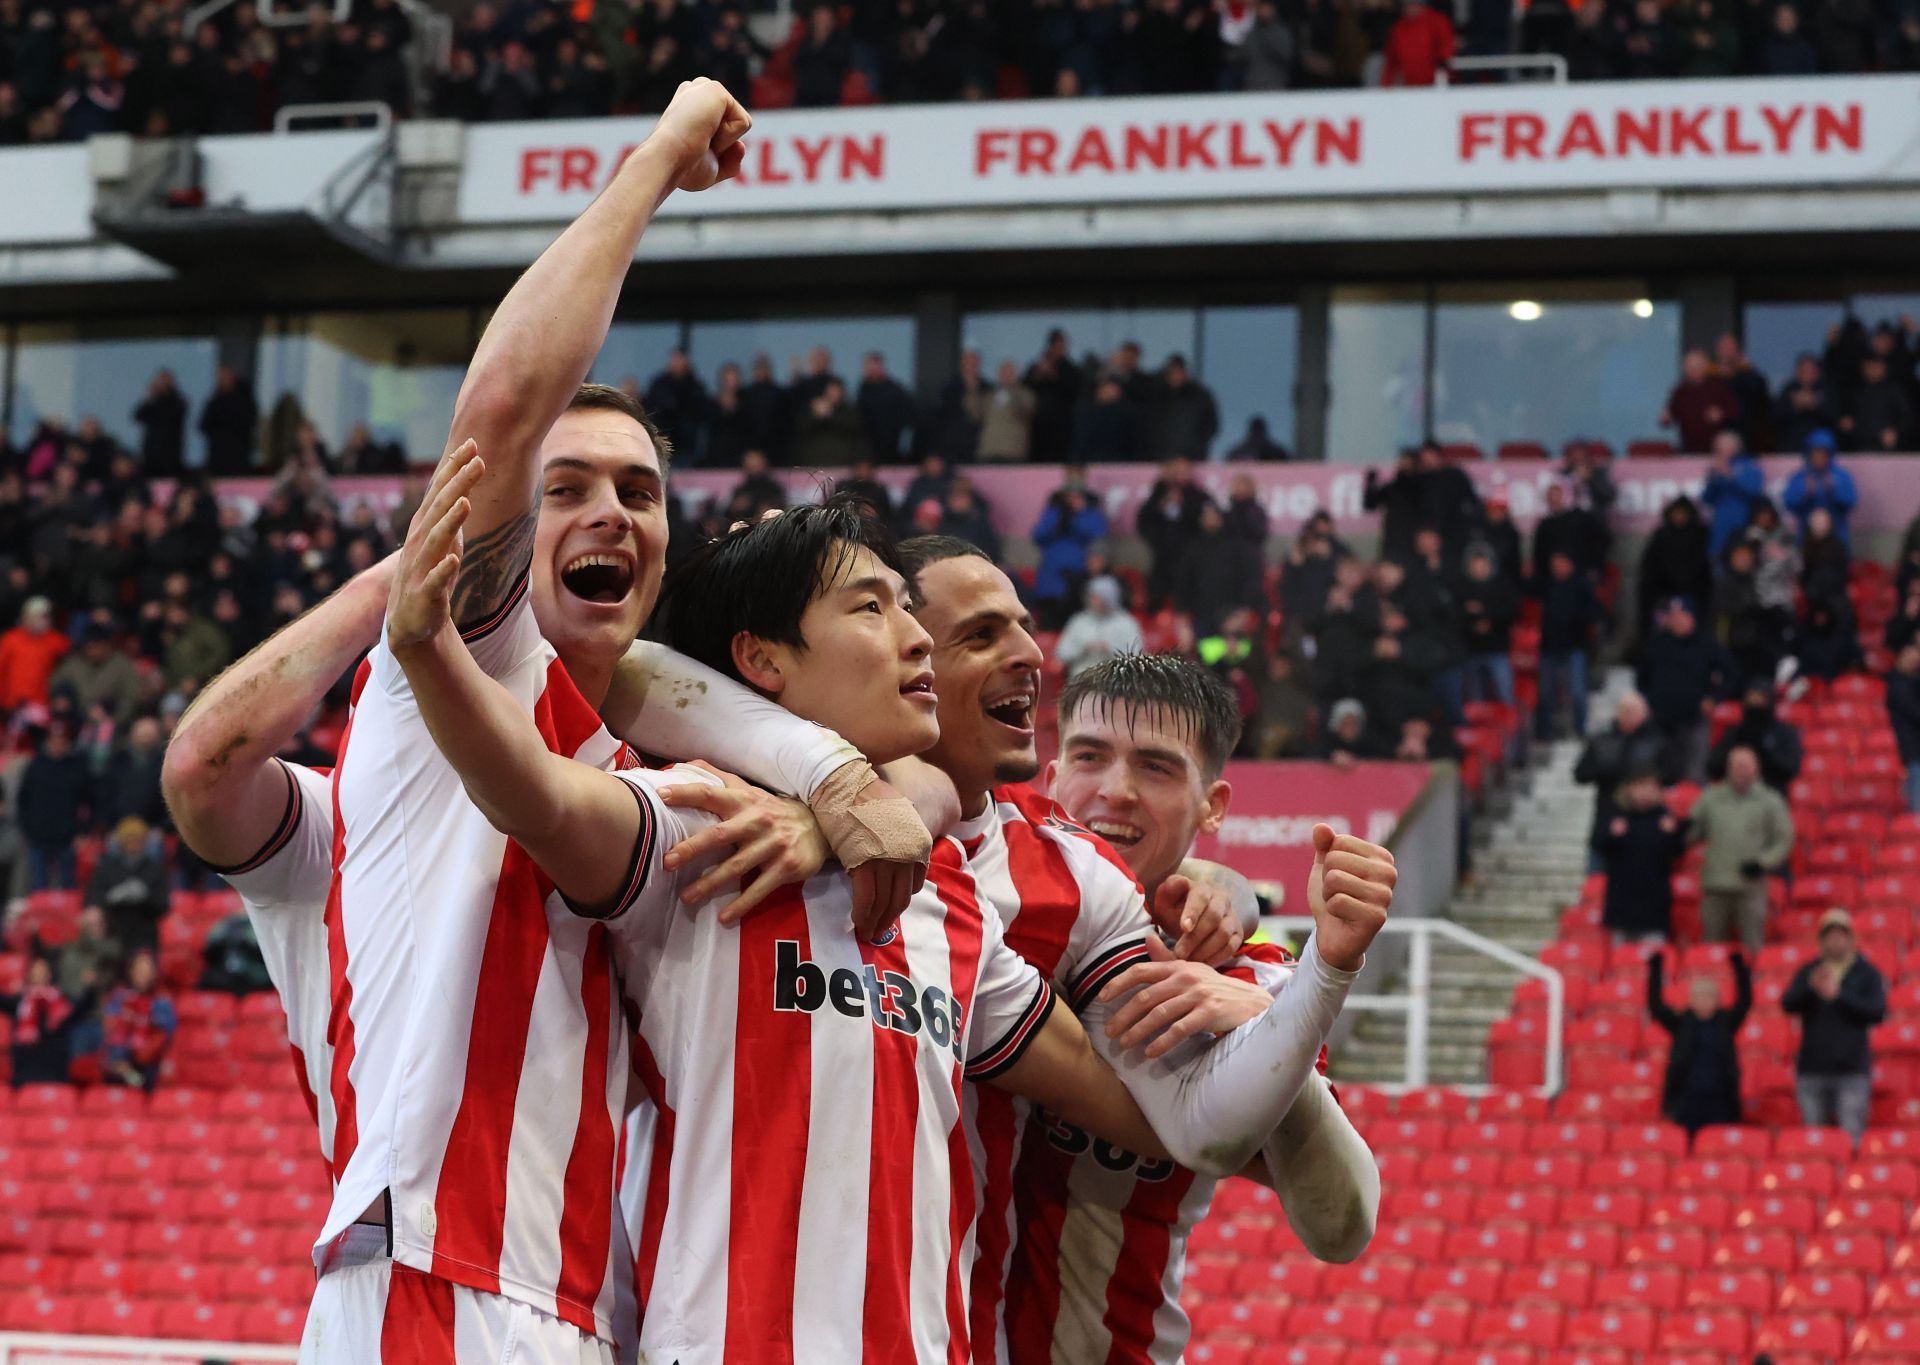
point(1839, 997)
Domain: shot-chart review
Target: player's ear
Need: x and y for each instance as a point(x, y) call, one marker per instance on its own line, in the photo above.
point(759, 669)
point(1219, 797)
point(1053, 766)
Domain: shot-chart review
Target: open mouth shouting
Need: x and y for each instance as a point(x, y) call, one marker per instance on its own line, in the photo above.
point(602, 577)
point(1117, 833)
point(1013, 710)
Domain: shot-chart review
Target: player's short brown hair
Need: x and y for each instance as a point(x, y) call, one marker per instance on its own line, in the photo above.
point(1129, 685)
point(606, 398)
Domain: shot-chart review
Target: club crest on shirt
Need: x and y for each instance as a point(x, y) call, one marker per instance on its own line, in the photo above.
point(890, 1000)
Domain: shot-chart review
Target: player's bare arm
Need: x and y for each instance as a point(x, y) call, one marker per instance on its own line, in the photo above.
point(541, 342)
point(220, 778)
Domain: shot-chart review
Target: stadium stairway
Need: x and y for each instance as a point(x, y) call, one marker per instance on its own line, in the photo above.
point(1529, 864)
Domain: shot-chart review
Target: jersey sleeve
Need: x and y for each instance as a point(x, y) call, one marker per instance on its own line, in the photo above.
point(499, 643)
point(649, 882)
point(1011, 1000)
point(295, 865)
point(1110, 934)
point(1266, 965)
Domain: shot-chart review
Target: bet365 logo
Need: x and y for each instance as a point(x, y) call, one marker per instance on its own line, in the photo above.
point(889, 999)
point(1076, 1141)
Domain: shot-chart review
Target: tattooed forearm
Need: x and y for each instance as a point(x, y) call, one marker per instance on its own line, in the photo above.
point(489, 564)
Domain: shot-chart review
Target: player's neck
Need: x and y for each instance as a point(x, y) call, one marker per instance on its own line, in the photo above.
point(592, 677)
point(973, 805)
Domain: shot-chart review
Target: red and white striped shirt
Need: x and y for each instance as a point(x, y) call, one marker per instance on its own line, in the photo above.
point(1103, 1236)
point(1074, 911)
point(799, 1192)
point(284, 890)
point(480, 1055)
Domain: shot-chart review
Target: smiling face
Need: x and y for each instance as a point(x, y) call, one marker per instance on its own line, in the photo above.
point(601, 539)
point(863, 671)
point(986, 670)
point(1140, 783)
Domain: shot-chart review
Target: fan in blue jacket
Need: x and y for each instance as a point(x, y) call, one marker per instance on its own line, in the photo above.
point(1820, 482)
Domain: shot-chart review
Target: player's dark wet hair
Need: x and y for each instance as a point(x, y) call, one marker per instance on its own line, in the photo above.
point(606, 398)
point(920, 551)
point(762, 578)
point(1132, 685)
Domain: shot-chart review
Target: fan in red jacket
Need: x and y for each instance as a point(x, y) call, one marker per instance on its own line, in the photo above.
point(1419, 44)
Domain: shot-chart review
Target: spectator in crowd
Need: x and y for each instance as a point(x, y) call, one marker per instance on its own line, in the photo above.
point(1589, 484)
point(1246, 519)
point(757, 493)
point(1306, 577)
point(1774, 742)
point(863, 482)
point(1878, 414)
point(887, 410)
point(1825, 562)
point(43, 1023)
point(1448, 502)
point(1734, 483)
point(766, 412)
point(129, 781)
point(1903, 627)
point(1840, 997)
point(1054, 381)
point(1503, 538)
point(234, 963)
point(1776, 568)
point(193, 647)
point(362, 454)
point(99, 676)
point(1169, 521)
point(1701, 405)
point(1683, 672)
point(1632, 745)
point(1347, 737)
point(1258, 444)
point(1268, 52)
point(1006, 422)
point(1637, 848)
point(964, 514)
point(52, 810)
point(1218, 573)
point(1189, 418)
point(1903, 714)
point(680, 406)
point(1676, 561)
point(963, 407)
point(138, 1023)
point(230, 421)
point(1109, 429)
point(92, 955)
point(728, 437)
point(29, 654)
point(1822, 484)
point(1285, 710)
point(1570, 614)
point(930, 484)
point(1828, 644)
point(1488, 608)
point(1702, 1087)
point(1751, 396)
point(1419, 46)
point(1400, 503)
point(130, 884)
point(1099, 630)
point(1786, 51)
point(830, 433)
point(1747, 834)
point(162, 419)
point(1805, 405)
point(1072, 523)
point(1575, 532)
point(822, 61)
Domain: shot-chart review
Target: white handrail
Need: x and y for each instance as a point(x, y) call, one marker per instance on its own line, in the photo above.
point(1417, 1003)
point(1550, 62)
point(45, 1346)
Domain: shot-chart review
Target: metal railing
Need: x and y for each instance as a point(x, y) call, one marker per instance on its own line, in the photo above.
point(44, 1348)
point(1417, 1003)
point(335, 115)
point(1512, 64)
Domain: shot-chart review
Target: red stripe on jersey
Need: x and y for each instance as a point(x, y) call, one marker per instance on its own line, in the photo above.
point(772, 1094)
point(346, 1111)
point(1138, 1285)
point(1042, 810)
point(887, 1310)
point(659, 1175)
point(470, 1202)
point(570, 721)
point(587, 1222)
point(1033, 1287)
point(417, 1327)
point(307, 1097)
point(1049, 897)
point(996, 1116)
point(964, 938)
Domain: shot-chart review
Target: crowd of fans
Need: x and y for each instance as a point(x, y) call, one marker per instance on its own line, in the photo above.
point(68, 72)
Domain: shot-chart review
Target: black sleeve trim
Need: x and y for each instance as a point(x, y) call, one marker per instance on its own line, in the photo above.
point(282, 832)
point(1097, 973)
point(1013, 1045)
point(493, 621)
point(637, 869)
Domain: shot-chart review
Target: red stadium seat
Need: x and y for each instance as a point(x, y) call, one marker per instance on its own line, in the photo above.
point(1387, 1279)
point(1836, 1251)
point(1622, 1210)
point(1506, 1243)
point(1762, 1250)
point(1899, 1294)
point(1588, 1245)
point(1689, 1209)
point(1807, 1144)
point(1439, 1323)
point(1535, 1207)
point(1795, 1213)
point(1718, 1333)
point(1801, 1177)
point(1563, 1286)
point(1471, 1283)
point(1537, 1329)
point(1550, 1172)
point(1649, 1139)
point(1867, 1215)
point(1753, 1143)
point(1750, 1291)
point(1420, 1238)
point(1629, 1329)
point(1332, 1322)
point(1627, 1172)
point(1819, 1334)
point(1658, 1287)
point(1842, 1293)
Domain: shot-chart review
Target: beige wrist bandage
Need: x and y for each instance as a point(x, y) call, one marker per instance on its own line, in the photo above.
point(885, 829)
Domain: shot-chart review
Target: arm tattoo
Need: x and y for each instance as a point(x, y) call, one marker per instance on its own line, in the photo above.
point(488, 567)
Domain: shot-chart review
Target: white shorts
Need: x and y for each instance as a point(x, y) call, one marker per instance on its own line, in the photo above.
point(368, 1311)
